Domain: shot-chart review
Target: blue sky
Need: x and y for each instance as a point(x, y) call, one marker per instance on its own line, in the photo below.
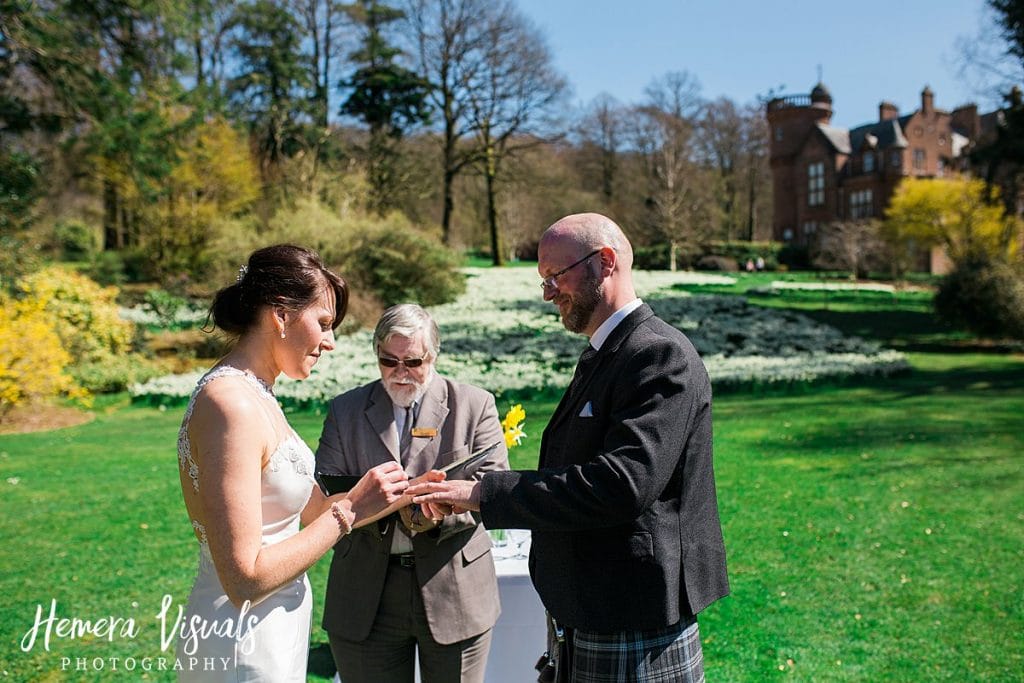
point(868, 50)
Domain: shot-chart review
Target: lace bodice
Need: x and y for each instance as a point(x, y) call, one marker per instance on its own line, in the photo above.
point(287, 479)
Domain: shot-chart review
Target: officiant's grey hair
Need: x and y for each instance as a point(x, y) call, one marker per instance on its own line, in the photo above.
point(407, 320)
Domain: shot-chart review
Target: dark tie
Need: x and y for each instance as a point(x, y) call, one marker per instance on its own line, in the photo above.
point(405, 441)
point(583, 366)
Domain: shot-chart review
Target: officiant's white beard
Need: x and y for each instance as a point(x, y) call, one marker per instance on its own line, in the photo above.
point(406, 391)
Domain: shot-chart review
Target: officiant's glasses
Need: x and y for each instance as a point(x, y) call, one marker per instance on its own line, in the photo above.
point(395, 362)
point(551, 281)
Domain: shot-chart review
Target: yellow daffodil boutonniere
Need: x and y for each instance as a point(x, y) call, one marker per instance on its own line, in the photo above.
point(513, 425)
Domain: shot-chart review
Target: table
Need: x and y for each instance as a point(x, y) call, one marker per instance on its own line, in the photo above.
point(519, 637)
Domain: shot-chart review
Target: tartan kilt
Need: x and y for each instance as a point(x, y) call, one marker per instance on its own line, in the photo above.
point(667, 655)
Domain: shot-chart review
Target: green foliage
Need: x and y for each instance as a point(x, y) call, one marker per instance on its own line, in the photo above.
point(653, 257)
point(108, 268)
point(384, 95)
point(271, 86)
point(385, 257)
point(112, 373)
point(986, 297)
point(402, 265)
point(165, 306)
point(75, 239)
point(19, 190)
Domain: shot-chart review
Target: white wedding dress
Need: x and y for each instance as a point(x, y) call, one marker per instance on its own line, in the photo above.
point(218, 641)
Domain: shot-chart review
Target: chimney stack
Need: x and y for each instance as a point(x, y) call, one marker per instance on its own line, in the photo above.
point(887, 111)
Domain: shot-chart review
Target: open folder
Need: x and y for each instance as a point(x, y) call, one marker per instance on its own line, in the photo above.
point(463, 468)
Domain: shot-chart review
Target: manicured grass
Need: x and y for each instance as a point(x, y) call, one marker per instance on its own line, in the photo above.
point(874, 533)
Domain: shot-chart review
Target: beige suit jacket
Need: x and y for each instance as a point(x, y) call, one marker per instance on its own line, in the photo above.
point(454, 566)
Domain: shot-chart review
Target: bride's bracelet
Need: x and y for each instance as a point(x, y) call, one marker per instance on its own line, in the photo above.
point(339, 517)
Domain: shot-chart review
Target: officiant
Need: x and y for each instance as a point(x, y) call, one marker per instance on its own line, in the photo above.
point(411, 584)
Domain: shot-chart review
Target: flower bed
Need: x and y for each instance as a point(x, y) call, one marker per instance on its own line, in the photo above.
point(502, 336)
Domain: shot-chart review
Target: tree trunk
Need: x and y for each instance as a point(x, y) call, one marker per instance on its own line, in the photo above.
point(673, 251)
point(449, 207)
point(490, 173)
point(450, 171)
point(110, 216)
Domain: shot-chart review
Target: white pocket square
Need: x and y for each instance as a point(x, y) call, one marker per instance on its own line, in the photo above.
point(588, 410)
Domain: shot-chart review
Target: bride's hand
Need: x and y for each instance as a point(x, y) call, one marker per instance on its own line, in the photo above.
point(377, 489)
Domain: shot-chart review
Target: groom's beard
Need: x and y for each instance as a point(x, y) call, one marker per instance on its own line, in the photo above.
point(584, 303)
point(403, 393)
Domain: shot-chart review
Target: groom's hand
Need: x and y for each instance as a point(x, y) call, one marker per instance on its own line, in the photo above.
point(461, 494)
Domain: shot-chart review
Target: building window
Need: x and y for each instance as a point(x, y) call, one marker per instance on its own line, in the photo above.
point(778, 133)
point(940, 169)
point(894, 159)
point(869, 162)
point(918, 159)
point(810, 227)
point(787, 234)
point(816, 184)
point(861, 204)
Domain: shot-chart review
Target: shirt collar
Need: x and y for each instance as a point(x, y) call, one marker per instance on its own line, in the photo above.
point(600, 335)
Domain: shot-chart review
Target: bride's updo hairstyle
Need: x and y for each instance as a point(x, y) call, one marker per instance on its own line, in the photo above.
point(284, 276)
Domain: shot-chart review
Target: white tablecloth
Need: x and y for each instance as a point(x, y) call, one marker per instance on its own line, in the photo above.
point(518, 639)
point(519, 636)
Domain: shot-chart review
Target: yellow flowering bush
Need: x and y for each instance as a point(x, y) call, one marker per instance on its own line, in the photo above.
point(33, 364)
point(83, 313)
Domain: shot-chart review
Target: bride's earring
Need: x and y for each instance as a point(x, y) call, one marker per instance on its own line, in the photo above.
point(282, 334)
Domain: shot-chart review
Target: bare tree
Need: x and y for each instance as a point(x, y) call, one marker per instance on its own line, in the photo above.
point(854, 246)
point(678, 189)
point(601, 132)
point(721, 140)
point(512, 98)
point(449, 36)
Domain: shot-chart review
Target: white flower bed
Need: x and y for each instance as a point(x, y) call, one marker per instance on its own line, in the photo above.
point(143, 315)
point(834, 286)
point(501, 335)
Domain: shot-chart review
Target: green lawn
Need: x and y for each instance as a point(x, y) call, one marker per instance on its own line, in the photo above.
point(874, 532)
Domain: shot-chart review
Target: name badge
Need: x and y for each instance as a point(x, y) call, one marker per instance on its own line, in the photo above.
point(424, 432)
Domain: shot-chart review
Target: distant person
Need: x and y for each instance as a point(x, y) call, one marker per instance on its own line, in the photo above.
point(749, 266)
point(412, 583)
point(759, 264)
point(627, 545)
point(247, 477)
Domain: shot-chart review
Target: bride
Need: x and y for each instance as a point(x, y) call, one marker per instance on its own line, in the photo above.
point(247, 477)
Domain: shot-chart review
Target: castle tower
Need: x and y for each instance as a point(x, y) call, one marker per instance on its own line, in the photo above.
point(791, 119)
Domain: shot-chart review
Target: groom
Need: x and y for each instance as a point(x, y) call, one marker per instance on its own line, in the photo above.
point(627, 545)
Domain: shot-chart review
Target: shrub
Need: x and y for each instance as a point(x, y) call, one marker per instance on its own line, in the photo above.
point(114, 373)
point(165, 306)
point(721, 263)
point(33, 364)
point(84, 315)
point(984, 296)
point(107, 268)
point(75, 240)
point(402, 265)
point(654, 257)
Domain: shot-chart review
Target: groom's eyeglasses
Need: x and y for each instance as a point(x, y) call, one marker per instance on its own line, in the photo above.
point(551, 281)
point(394, 362)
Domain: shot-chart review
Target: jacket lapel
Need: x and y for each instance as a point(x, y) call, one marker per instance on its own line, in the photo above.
point(381, 416)
point(621, 332)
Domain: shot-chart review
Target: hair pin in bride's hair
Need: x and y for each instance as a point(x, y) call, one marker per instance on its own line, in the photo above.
point(242, 270)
